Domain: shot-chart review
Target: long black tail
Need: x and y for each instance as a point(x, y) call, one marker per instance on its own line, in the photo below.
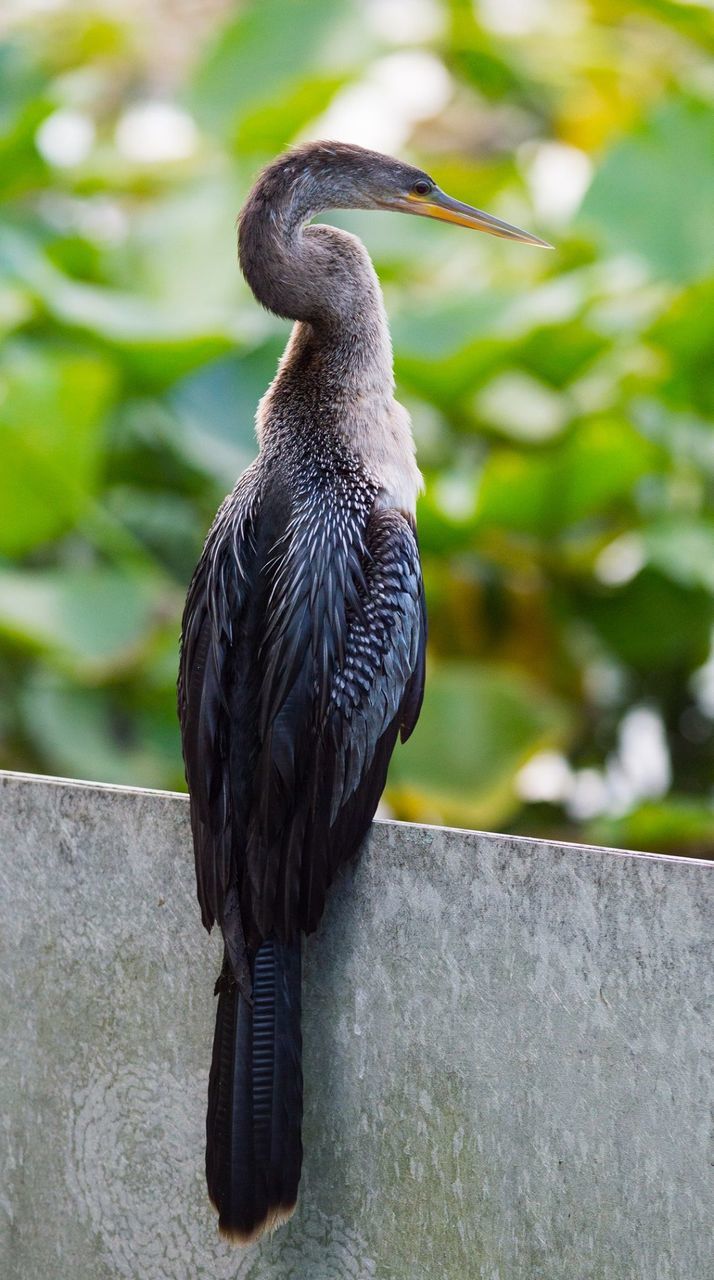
point(253, 1143)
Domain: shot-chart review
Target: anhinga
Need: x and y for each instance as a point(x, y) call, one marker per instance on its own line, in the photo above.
point(302, 653)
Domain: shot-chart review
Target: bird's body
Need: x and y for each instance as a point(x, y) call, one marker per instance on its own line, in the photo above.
point(302, 655)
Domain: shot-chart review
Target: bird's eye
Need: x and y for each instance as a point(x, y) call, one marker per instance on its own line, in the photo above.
point(422, 187)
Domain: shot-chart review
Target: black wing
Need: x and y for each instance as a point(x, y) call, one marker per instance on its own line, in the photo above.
point(302, 658)
point(344, 673)
point(213, 620)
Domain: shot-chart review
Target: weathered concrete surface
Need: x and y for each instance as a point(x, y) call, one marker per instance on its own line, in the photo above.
point(506, 1057)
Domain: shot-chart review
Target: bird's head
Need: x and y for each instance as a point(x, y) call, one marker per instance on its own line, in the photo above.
point(356, 178)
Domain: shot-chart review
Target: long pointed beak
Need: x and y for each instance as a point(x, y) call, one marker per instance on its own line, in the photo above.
point(438, 205)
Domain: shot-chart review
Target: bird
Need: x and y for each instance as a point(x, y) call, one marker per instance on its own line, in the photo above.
point(302, 646)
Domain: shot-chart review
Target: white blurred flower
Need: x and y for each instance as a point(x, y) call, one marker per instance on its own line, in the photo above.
point(156, 132)
point(405, 21)
point(416, 82)
point(65, 138)
point(524, 17)
point(702, 685)
point(457, 494)
point(621, 560)
point(379, 111)
point(639, 770)
point(512, 17)
point(643, 754)
point(360, 114)
point(558, 176)
point(546, 777)
point(588, 796)
point(522, 406)
point(604, 682)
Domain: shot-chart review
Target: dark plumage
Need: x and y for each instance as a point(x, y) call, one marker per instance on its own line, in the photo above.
point(302, 655)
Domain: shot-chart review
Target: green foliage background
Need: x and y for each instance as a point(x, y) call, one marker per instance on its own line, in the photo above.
point(563, 403)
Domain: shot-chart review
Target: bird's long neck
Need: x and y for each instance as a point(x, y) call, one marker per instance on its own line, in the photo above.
point(323, 279)
point(335, 387)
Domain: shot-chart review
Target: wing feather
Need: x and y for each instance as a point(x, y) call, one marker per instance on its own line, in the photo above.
point(338, 688)
point(213, 616)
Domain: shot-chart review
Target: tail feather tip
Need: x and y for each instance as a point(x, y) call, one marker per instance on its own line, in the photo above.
point(244, 1236)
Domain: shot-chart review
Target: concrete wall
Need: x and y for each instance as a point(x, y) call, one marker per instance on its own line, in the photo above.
point(506, 1057)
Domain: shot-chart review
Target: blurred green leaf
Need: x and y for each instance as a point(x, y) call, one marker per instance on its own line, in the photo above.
point(541, 493)
point(477, 55)
point(682, 549)
point(88, 733)
point(436, 332)
point(16, 309)
point(652, 195)
point(91, 621)
point(560, 353)
point(51, 410)
point(216, 407)
point(166, 524)
point(442, 351)
point(263, 50)
point(692, 20)
point(159, 343)
point(24, 103)
point(679, 825)
point(477, 727)
point(652, 623)
point(269, 128)
point(687, 438)
point(685, 332)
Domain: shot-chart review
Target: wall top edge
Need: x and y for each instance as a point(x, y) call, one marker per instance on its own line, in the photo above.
point(9, 777)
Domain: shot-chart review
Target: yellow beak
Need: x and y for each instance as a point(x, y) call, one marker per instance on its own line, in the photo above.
point(438, 205)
